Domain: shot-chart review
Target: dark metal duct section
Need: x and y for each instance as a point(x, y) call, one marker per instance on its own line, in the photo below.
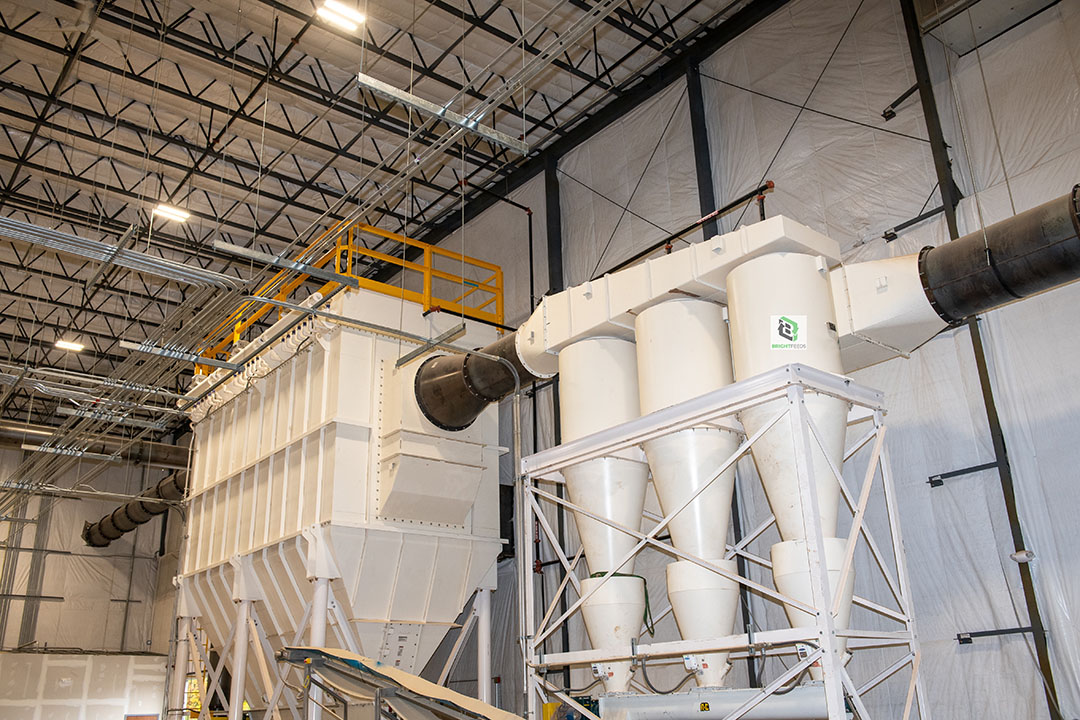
point(129, 516)
point(1026, 254)
point(452, 390)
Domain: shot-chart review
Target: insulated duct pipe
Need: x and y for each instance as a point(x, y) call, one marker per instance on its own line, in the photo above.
point(1034, 251)
point(129, 516)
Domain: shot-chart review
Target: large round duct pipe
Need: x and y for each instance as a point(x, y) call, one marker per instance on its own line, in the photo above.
point(452, 390)
point(130, 515)
point(1028, 253)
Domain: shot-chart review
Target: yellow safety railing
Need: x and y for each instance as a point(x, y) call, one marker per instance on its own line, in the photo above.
point(486, 294)
point(477, 299)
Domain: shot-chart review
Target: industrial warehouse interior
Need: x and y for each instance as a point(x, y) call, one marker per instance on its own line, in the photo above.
point(549, 360)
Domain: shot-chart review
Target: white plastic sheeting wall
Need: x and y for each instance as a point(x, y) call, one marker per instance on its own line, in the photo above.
point(108, 593)
point(644, 163)
point(1011, 112)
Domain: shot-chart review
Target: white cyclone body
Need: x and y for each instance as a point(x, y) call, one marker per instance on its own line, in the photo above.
point(683, 352)
point(598, 389)
point(781, 311)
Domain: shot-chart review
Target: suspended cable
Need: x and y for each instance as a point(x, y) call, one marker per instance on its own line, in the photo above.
point(659, 142)
point(812, 110)
point(802, 107)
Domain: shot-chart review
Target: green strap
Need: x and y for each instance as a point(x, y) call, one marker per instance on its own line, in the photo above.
point(647, 619)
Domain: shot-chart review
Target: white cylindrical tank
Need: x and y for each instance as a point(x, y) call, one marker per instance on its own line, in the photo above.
point(598, 389)
point(683, 352)
point(781, 312)
point(791, 573)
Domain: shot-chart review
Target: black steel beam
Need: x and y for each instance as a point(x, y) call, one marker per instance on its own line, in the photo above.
point(949, 199)
point(950, 193)
point(553, 215)
point(699, 129)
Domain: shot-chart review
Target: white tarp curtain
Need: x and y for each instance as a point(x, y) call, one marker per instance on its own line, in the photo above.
point(96, 584)
point(500, 235)
point(643, 163)
point(1011, 112)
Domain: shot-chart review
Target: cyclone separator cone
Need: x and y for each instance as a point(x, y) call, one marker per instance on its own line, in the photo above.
point(704, 604)
point(597, 390)
point(791, 573)
point(781, 312)
point(683, 353)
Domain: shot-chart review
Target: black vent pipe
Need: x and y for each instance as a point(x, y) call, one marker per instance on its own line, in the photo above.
point(452, 390)
point(1026, 254)
point(130, 515)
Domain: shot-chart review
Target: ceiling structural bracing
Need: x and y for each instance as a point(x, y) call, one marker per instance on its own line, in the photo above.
point(247, 116)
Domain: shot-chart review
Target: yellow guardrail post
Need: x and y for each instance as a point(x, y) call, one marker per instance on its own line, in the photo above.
point(427, 279)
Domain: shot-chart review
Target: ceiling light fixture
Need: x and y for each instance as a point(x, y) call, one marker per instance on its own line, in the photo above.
point(171, 213)
point(68, 345)
point(341, 15)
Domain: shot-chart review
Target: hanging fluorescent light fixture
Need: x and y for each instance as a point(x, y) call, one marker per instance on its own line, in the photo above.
point(171, 213)
point(470, 123)
point(69, 345)
point(341, 15)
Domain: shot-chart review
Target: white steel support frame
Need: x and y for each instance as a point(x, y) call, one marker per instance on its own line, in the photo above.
point(483, 644)
point(790, 383)
point(249, 635)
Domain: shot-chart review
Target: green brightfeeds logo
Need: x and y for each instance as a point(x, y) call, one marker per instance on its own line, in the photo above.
point(788, 332)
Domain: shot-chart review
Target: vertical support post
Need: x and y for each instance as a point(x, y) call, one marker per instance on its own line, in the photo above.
point(483, 645)
point(702, 157)
point(815, 551)
point(744, 571)
point(319, 603)
point(553, 211)
point(524, 558)
point(238, 669)
point(950, 197)
point(427, 278)
point(950, 194)
point(178, 682)
point(900, 558)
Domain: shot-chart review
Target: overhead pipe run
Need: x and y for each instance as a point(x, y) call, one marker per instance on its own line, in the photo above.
point(131, 515)
point(152, 454)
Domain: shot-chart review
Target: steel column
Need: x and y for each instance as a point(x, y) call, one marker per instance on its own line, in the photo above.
point(483, 644)
point(238, 669)
point(950, 197)
point(702, 157)
point(178, 683)
point(320, 602)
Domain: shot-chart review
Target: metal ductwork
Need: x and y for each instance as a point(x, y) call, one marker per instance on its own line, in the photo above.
point(452, 390)
point(129, 516)
point(152, 454)
point(1026, 254)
